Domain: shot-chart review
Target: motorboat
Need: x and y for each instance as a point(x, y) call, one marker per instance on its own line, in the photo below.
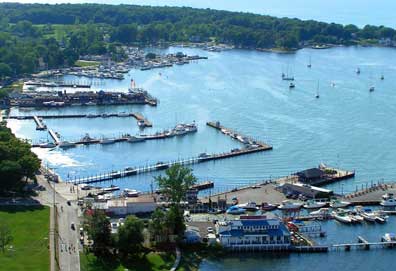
point(288, 205)
point(372, 88)
point(322, 213)
point(105, 141)
point(342, 216)
point(235, 210)
point(86, 139)
point(389, 238)
point(292, 85)
point(388, 200)
point(380, 217)
point(339, 204)
point(141, 123)
point(265, 206)
point(367, 215)
point(66, 144)
point(48, 145)
point(312, 204)
point(131, 193)
point(248, 206)
point(133, 139)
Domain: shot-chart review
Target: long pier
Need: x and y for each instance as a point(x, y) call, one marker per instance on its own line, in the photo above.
point(161, 166)
point(237, 136)
point(39, 123)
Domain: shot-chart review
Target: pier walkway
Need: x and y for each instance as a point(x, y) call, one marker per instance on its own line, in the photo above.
point(238, 136)
point(161, 166)
point(39, 123)
point(54, 136)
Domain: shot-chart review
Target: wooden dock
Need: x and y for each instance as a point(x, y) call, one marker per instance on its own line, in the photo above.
point(39, 123)
point(203, 185)
point(238, 136)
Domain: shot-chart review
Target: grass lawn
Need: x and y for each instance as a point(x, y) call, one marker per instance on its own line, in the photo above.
point(149, 262)
point(30, 229)
point(86, 63)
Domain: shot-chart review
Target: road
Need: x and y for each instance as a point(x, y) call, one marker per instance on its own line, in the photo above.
point(68, 239)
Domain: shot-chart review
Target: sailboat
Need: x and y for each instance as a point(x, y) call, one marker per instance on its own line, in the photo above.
point(286, 76)
point(317, 92)
point(309, 63)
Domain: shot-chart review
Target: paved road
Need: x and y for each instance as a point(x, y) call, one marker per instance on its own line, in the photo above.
point(68, 239)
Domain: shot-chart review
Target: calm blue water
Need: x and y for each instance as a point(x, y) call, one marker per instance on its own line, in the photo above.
point(347, 127)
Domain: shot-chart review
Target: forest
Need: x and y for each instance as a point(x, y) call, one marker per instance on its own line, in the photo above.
point(39, 36)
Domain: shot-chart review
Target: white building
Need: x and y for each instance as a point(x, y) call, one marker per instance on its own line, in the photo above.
point(253, 233)
point(128, 206)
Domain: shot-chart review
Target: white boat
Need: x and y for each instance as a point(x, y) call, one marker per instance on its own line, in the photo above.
point(288, 205)
point(339, 204)
point(380, 217)
point(133, 139)
point(106, 141)
point(235, 210)
point(356, 218)
point(131, 193)
point(312, 204)
point(66, 144)
point(48, 145)
point(321, 212)
point(367, 215)
point(141, 123)
point(342, 216)
point(123, 114)
point(249, 206)
point(388, 200)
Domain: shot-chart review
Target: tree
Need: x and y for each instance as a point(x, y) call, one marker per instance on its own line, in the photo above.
point(175, 184)
point(130, 236)
point(5, 236)
point(158, 226)
point(99, 231)
point(5, 70)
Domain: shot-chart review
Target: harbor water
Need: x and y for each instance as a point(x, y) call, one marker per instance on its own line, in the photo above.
point(348, 127)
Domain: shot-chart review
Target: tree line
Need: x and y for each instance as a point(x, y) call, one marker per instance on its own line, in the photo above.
point(17, 162)
point(29, 38)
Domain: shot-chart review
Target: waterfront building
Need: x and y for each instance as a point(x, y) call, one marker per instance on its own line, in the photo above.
point(306, 190)
point(253, 233)
point(129, 206)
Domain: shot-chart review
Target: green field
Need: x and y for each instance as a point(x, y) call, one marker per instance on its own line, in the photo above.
point(30, 229)
point(148, 262)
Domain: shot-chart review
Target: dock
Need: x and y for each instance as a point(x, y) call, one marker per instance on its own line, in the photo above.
point(161, 165)
point(238, 136)
point(39, 123)
point(54, 136)
point(203, 185)
point(139, 117)
point(370, 194)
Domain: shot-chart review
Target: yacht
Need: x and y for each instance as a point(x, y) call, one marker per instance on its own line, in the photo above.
point(292, 85)
point(86, 139)
point(312, 204)
point(235, 210)
point(342, 216)
point(388, 200)
point(66, 144)
point(380, 217)
point(180, 129)
point(133, 139)
point(339, 204)
point(248, 206)
point(106, 141)
point(91, 116)
point(191, 127)
point(288, 205)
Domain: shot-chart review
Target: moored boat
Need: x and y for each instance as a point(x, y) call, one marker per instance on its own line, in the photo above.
point(342, 216)
point(288, 205)
point(339, 204)
point(248, 206)
point(312, 204)
point(235, 210)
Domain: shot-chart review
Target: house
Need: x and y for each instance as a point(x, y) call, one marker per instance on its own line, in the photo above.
point(128, 206)
point(253, 233)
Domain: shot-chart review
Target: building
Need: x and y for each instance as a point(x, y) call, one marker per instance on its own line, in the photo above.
point(250, 233)
point(128, 206)
point(306, 190)
point(311, 175)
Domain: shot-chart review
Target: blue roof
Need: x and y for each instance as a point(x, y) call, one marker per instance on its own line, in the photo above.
point(254, 222)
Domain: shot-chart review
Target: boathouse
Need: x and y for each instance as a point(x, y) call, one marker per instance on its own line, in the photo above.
point(311, 175)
